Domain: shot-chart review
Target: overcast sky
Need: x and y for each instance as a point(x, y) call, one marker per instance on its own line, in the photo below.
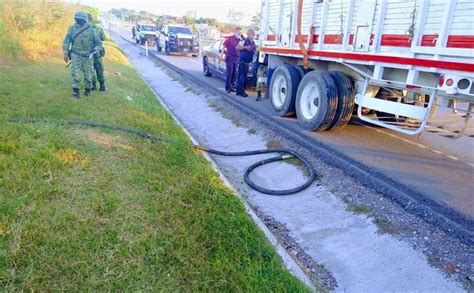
point(206, 8)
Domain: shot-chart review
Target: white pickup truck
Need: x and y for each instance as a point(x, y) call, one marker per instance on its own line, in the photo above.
point(145, 33)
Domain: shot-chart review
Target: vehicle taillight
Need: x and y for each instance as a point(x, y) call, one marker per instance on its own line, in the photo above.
point(449, 82)
point(441, 81)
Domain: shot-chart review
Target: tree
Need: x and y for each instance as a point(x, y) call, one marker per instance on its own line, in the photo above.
point(188, 18)
point(256, 21)
point(93, 11)
point(234, 16)
point(209, 20)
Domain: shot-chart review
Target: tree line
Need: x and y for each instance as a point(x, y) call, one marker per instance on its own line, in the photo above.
point(234, 18)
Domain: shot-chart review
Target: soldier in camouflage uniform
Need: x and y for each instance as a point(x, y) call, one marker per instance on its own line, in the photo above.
point(80, 41)
point(98, 65)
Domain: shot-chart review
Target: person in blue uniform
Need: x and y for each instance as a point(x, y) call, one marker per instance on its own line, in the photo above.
point(246, 49)
point(231, 59)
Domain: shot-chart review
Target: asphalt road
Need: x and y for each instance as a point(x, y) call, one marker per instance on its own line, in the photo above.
point(437, 167)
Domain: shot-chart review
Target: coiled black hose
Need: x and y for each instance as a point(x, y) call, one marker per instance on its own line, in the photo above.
point(284, 153)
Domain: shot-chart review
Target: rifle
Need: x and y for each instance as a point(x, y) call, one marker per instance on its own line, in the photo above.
point(91, 55)
point(94, 51)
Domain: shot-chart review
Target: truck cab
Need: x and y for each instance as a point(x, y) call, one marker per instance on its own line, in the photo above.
point(145, 32)
point(177, 38)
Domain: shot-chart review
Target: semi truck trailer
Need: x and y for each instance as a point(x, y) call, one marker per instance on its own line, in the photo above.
point(394, 63)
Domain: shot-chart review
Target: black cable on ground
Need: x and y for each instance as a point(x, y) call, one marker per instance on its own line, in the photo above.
point(284, 153)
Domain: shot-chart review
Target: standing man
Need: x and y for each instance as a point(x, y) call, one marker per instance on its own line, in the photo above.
point(80, 41)
point(133, 32)
point(231, 59)
point(246, 49)
point(98, 63)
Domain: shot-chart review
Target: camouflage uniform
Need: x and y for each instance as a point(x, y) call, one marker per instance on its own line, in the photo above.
point(81, 48)
point(98, 64)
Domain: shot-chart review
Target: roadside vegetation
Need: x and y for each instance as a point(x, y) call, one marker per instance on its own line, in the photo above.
point(90, 209)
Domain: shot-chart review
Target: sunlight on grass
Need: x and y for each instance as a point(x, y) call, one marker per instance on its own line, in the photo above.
point(114, 54)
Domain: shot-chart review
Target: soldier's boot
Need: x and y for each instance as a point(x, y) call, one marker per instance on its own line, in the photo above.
point(94, 86)
point(75, 93)
point(87, 92)
point(259, 95)
point(102, 87)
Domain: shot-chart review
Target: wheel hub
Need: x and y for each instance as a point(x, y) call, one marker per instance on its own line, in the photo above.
point(279, 91)
point(310, 101)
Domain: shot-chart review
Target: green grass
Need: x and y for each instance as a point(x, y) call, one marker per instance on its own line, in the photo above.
point(91, 209)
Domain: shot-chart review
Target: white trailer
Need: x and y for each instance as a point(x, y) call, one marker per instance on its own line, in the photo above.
point(395, 61)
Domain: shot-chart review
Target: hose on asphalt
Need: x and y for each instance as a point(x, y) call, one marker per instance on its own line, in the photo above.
point(284, 153)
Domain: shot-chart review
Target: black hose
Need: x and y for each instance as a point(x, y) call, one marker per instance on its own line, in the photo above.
point(284, 153)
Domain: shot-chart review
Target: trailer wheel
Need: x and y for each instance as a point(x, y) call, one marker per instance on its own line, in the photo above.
point(283, 87)
point(316, 101)
point(300, 71)
point(345, 101)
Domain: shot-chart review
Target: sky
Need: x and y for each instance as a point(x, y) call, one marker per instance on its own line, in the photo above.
point(204, 8)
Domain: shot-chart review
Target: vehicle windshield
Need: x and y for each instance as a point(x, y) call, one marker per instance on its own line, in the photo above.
point(148, 28)
point(179, 30)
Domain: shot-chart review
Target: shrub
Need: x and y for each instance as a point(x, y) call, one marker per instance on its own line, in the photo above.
point(8, 46)
point(34, 29)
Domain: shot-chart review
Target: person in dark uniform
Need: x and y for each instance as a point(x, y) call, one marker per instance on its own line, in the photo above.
point(246, 49)
point(231, 59)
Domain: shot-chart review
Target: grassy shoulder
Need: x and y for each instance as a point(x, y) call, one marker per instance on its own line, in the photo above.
point(85, 208)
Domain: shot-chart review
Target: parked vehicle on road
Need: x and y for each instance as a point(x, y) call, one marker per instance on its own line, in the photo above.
point(177, 38)
point(213, 61)
point(145, 32)
point(327, 57)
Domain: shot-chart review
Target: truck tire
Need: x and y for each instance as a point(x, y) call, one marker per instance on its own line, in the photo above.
point(300, 71)
point(205, 68)
point(283, 87)
point(345, 100)
point(142, 41)
point(158, 46)
point(316, 101)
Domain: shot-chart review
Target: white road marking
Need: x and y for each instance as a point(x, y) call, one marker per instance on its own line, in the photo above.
point(419, 145)
point(452, 157)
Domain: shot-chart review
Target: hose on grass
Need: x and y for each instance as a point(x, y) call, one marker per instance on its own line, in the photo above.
point(284, 153)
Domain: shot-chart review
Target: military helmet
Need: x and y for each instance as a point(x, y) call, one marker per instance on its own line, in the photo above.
point(80, 15)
